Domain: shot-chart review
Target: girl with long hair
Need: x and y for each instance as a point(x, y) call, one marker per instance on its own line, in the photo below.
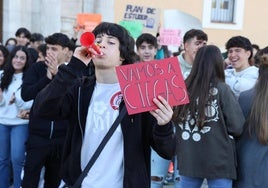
point(13, 129)
point(206, 126)
point(252, 148)
point(3, 56)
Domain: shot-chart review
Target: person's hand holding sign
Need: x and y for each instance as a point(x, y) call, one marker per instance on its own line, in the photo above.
point(164, 112)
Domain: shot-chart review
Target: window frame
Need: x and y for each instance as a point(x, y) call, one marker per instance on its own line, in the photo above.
point(238, 17)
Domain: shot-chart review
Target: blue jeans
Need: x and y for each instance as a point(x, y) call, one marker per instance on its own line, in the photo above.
point(189, 182)
point(176, 173)
point(12, 142)
point(159, 168)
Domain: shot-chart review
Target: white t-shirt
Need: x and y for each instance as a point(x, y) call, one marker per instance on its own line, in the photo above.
point(107, 171)
point(241, 81)
point(9, 112)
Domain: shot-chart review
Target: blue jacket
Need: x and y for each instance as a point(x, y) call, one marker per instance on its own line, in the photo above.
point(252, 156)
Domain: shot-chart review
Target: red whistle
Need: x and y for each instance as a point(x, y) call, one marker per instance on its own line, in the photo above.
point(87, 40)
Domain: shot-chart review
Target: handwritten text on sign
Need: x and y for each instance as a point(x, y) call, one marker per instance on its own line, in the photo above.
point(149, 16)
point(141, 82)
point(170, 37)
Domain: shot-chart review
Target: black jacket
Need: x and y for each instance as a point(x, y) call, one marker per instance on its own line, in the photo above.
point(209, 152)
point(34, 81)
point(140, 131)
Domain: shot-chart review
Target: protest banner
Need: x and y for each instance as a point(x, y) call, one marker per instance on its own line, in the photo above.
point(176, 19)
point(170, 37)
point(141, 82)
point(134, 27)
point(88, 21)
point(149, 16)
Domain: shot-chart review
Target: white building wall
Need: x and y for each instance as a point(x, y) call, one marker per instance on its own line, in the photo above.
point(50, 16)
point(70, 8)
point(106, 8)
point(42, 16)
point(15, 14)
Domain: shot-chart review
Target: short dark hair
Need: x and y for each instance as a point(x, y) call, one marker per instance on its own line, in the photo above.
point(43, 49)
point(10, 39)
point(58, 39)
point(256, 46)
point(148, 38)
point(72, 46)
point(24, 31)
point(37, 37)
point(199, 34)
point(241, 42)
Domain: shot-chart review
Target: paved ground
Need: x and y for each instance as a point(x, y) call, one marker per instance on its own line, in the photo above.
point(165, 186)
point(172, 185)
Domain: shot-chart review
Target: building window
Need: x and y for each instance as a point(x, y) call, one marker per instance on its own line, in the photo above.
point(222, 11)
point(223, 14)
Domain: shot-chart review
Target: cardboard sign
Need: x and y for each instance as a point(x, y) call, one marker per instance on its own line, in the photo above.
point(170, 37)
point(141, 82)
point(150, 17)
point(87, 21)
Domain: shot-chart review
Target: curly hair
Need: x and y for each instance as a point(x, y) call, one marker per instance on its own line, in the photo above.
point(241, 42)
point(127, 43)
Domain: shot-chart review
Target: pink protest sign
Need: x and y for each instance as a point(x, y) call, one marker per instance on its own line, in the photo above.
point(141, 82)
point(170, 37)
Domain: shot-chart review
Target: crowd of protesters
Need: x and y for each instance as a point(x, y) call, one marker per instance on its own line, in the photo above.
point(59, 99)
